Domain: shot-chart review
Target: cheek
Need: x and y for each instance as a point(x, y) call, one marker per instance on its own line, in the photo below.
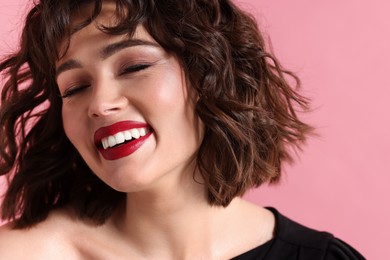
point(163, 102)
point(69, 121)
point(67, 127)
point(180, 108)
point(170, 92)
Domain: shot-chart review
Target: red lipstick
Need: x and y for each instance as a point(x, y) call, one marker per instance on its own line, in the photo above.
point(122, 150)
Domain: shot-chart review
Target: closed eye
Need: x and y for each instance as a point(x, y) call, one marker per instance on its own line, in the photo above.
point(74, 90)
point(134, 68)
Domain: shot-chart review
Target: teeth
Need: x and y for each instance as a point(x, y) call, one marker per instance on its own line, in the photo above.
point(105, 143)
point(135, 133)
point(121, 137)
point(111, 141)
point(127, 135)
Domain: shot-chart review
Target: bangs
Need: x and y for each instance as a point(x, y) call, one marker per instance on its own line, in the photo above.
point(124, 16)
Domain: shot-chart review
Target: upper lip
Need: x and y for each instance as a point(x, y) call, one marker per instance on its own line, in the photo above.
point(115, 128)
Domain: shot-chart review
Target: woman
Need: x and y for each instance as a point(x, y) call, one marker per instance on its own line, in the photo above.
point(129, 130)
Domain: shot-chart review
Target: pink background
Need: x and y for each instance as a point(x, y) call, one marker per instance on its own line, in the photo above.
point(341, 51)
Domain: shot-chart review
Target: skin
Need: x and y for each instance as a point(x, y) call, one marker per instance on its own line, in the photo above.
point(166, 215)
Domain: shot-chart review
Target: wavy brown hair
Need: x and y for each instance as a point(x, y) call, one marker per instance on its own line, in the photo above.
point(246, 101)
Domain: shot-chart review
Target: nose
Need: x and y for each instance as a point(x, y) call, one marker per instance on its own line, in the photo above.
point(106, 100)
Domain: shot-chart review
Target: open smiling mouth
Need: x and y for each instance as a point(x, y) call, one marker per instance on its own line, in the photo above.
point(121, 139)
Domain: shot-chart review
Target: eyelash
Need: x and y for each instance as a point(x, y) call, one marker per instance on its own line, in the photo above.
point(127, 70)
point(134, 68)
point(73, 90)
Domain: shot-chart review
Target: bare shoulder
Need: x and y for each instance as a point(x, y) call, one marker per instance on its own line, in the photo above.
point(247, 226)
point(258, 219)
point(49, 239)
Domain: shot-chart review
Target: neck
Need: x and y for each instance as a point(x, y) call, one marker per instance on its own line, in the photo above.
point(171, 219)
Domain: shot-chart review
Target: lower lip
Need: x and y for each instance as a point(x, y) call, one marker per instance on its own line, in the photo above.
point(123, 150)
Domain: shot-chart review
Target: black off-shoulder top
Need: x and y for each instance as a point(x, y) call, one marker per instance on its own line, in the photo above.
point(292, 241)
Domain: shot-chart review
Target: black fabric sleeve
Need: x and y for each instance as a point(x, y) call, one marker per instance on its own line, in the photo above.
point(293, 241)
point(339, 250)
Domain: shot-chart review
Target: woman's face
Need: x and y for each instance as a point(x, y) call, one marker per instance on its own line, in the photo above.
point(126, 108)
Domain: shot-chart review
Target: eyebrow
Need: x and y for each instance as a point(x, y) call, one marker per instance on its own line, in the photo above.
point(105, 53)
point(111, 49)
point(68, 65)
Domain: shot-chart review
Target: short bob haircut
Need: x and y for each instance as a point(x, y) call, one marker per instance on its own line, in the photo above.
point(246, 100)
